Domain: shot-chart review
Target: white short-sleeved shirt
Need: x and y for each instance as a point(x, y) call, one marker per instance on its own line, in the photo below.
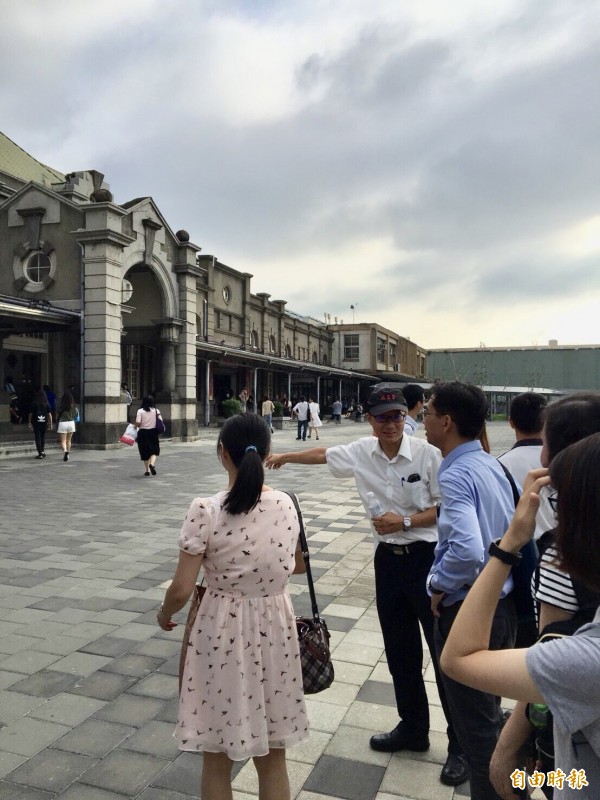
point(519, 461)
point(373, 471)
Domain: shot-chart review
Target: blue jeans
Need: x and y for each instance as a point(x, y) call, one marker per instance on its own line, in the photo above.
point(302, 427)
point(268, 418)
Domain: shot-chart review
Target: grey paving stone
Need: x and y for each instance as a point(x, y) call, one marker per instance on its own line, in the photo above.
point(377, 692)
point(170, 667)
point(13, 791)
point(163, 686)
point(125, 772)
point(95, 604)
point(162, 794)
point(340, 777)
point(45, 683)
point(183, 775)
point(51, 770)
point(79, 791)
point(169, 711)
point(139, 584)
point(103, 685)
point(66, 709)
point(15, 642)
point(339, 623)
point(94, 737)
point(155, 738)
point(159, 648)
point(14, 705)
point(139, 604)
point(27, 736)
point(108, 646)
point(129, 709)
point(53, 603)
point(135, 665)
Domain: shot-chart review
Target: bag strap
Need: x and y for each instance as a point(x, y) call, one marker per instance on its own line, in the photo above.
point(513, 486)
point(306, 557)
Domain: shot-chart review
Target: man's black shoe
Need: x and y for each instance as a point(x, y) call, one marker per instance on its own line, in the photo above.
point(454, 771)
point(399, 739)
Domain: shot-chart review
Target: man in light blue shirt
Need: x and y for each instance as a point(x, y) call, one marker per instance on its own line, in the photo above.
point(477, 506)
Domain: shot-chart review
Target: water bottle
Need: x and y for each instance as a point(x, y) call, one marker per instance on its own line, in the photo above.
point(538, 714)
point(374, 505)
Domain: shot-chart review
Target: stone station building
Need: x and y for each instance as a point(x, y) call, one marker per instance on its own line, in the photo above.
point(94, 294)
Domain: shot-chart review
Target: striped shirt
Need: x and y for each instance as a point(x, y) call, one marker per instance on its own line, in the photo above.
point(555, 586)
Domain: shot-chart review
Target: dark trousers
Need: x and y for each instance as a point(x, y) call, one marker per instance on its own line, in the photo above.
point(403, 603)
point(302, 427)
point(39, 432)
point(477, 715)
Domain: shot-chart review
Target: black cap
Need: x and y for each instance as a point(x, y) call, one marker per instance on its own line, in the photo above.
point(386, 397)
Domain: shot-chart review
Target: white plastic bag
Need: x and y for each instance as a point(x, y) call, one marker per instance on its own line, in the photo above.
point(130, 435)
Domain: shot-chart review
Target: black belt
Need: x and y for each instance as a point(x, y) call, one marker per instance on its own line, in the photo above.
point(406, 549)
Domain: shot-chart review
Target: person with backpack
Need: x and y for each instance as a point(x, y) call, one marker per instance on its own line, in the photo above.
point(40, 418)
point(562, 674)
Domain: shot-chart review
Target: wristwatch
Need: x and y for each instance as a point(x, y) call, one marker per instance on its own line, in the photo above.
point(430, 587)
point(511, 559)
point(406, 523)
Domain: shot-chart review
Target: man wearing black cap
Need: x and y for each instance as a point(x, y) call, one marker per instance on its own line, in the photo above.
point(401, 473)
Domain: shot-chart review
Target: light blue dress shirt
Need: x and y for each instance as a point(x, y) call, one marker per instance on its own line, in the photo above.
point(477, 507)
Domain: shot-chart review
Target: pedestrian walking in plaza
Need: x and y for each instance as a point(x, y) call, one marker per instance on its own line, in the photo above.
point(301, 411)
point(147, 438)
point(67, 411)
point(399, 472)
point(242, 691)
point(336, 411)
point(40, 418)
point(267, 411)
point(314, 423)
point(127, 399)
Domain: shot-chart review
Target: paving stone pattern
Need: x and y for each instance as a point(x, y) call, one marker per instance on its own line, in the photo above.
point(88, 682)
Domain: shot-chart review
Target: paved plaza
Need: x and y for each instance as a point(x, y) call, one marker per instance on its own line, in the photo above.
point(88, 682)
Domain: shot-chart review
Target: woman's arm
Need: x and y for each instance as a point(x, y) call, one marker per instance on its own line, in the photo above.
point(507, 756)
point(299, 563)
point(466, 656)
point(181, 588)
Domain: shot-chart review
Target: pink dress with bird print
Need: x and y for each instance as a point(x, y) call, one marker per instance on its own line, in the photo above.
point(242, 683)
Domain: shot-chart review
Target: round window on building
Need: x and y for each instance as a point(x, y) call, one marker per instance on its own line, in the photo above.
point(226, 294)
point(38, 267)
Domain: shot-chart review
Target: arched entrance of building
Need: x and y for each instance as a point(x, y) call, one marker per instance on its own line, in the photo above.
point(143, 311)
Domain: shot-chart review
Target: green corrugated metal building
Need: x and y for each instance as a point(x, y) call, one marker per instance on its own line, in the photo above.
point(562, 368)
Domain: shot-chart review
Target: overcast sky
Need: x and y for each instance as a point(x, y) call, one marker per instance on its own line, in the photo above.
point(434, 164)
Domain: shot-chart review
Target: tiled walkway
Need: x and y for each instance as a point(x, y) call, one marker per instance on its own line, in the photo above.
point(88, 686)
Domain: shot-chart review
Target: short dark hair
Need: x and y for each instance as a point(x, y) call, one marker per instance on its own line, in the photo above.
point(570, 419)
point(465, 403)
point(147, 402)
point(413, 394)
point(247, 439)
point(527, 412)
point(575, 474)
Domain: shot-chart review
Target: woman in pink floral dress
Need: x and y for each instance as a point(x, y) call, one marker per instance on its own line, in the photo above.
point(242, 692)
